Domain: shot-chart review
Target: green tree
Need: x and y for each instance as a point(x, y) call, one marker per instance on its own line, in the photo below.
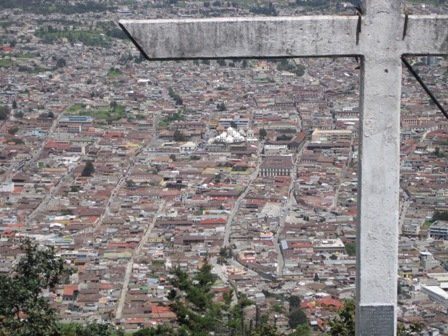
point(177, 99)
point(88, 170)
point(4, 112)
point(302, 330)
point(296, 317)
point(438, 153)
point(221, 107)
point(23, 310)
point(178, 136)
point(262, 133)
point(61, 63)
point(97, 329)
point(344, 323)
point(225, 252)
point(90, 329)
point(198, 314)
point(440, 215)
point(158, 331)
point(17, 141)
point(350, 248)
point(130, 184)
point(294, 302)
point(299, 70)
point(414, 329)
point(13, 130)
point(278, 308)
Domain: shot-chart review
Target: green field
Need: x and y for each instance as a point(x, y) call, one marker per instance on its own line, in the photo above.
point(112, 73)
point(25, 55)
point(5, 62)
point(112, 112)
point(89, 38)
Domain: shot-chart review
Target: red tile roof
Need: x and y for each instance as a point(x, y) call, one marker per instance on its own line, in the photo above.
point(213, 221)
point(69, 290)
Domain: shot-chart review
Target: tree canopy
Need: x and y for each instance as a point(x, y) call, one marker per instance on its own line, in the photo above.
point(344, 323)
point(4, 112)
point(24, 311)
point(88, 170)
point(200, 314)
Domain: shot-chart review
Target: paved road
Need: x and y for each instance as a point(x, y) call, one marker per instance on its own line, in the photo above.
point(285, 211)
point(219, 271)
point(407, 200)
point(236, 206)
point(69, 176)
point(114, 192)
point(403, 210)
point(341, 176)
point(112, 195)
point(135, 254)
point(53, 191)
point(27, 163)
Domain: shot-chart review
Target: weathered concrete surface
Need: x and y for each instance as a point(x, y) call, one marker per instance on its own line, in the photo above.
point(245, 37)
point(378, 196)
point(427, 34)
point(379, 169)
point(284, 36)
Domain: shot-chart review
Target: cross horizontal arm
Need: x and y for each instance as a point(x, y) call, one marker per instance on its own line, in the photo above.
point(427, 35)
point(244, 37)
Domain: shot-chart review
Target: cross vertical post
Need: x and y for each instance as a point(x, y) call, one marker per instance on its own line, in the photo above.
point(379, 169)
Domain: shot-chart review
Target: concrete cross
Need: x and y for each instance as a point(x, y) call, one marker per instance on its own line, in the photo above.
point(380, 37)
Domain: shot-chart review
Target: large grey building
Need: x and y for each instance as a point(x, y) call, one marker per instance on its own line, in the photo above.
point(439, 230)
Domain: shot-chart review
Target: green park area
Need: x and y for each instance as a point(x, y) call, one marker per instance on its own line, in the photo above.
point(89, 38)
point(5, 62)
point(112, 112)
point(177, 116)
point(112, 73)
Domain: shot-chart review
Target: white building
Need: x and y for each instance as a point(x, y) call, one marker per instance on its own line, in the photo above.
point(437, 294)
point(188, 147)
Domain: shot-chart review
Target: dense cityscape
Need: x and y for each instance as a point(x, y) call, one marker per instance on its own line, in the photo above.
point(133, 170)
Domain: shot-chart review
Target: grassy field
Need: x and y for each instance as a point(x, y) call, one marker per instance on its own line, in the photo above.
point(24, 55)
point(5, 62)
point(112, 112)
point(112, 73)
point(89, 38)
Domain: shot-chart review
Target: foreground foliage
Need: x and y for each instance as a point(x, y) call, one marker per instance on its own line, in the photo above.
point(23, 309)
point(344, 323)
point(91, 329)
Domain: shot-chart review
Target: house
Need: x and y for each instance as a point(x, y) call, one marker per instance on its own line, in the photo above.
point(276, 166)
point(439, 230)
point(188, 147)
